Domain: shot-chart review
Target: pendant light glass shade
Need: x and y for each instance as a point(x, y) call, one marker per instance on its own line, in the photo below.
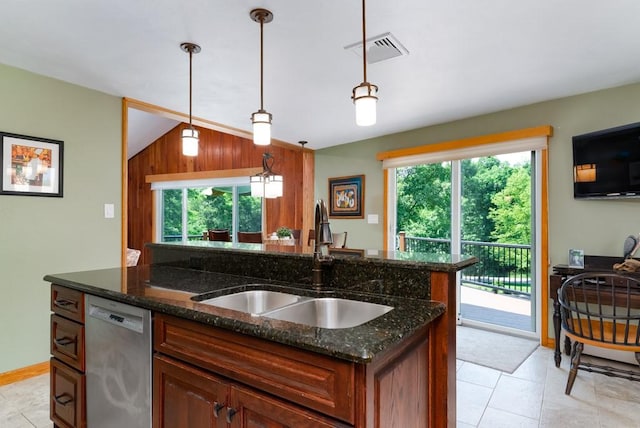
point(261, 119)
point(261, 128)
point(190, 138)
point(257, 186)
point(190, 142)
point(365, 95)
point(273, 187)
point(365, 99)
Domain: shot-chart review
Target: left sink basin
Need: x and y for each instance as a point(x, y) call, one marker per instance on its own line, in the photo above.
point(254, 302)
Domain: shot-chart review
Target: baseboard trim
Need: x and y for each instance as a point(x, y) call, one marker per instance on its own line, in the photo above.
point(24, 373)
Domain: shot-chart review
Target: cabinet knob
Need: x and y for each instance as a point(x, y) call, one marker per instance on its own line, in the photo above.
point(216, 408)
point(63, 399)
point(230, 412)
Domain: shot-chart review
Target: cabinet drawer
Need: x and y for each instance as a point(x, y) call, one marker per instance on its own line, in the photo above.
point(67, 341)
point(316, 381)
point(68, 303)
point(67, 406)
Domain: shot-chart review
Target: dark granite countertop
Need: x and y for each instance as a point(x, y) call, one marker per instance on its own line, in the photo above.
point(170, 290)
point(432, 261)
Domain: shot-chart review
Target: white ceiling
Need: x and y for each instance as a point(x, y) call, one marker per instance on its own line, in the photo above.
point(466, 57)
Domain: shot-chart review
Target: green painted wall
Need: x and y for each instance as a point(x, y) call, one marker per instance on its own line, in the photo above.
point(599, 227)
point(47, 235)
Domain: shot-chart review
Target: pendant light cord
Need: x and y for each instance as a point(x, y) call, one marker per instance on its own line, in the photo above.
point(190, 84)
point(261, 63)
point(364, 42)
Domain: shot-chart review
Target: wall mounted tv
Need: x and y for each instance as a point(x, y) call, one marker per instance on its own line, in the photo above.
point(606, 163)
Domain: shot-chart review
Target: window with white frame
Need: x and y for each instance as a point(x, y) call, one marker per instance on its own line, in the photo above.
point(186, 210)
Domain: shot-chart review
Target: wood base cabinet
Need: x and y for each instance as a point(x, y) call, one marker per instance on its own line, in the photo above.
point(208, 377)
point(67, 393)
point(189, 397)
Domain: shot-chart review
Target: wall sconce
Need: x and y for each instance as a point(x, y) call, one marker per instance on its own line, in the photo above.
point(261, 119)
point(266, 184)
point(365, 95)
point(190, 138)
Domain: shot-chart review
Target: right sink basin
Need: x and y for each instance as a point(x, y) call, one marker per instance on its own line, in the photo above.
point(329, 312)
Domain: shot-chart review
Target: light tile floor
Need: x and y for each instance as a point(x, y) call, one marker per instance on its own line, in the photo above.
point(533, 396)
point(25, 404)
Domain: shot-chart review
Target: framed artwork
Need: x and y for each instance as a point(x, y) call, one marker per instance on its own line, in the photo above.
point(346, 197)
point(31, 166)
point(576, 258)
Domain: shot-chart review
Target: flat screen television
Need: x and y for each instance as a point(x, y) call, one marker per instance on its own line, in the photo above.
point(606, 163)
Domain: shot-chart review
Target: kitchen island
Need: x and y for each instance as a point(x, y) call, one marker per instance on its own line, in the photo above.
point(392, 371)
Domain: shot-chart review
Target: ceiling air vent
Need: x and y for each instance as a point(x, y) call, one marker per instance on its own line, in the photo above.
point(379, 48)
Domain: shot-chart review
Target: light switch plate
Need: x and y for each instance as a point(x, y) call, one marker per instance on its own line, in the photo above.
point(372, 218)
point(109, 211)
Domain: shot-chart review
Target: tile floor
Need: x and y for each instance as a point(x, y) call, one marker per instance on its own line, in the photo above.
point(533, 396)
point(25, 404)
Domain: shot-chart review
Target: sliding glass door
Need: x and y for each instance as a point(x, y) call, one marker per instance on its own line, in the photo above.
point(497, 227)
point(483, 207)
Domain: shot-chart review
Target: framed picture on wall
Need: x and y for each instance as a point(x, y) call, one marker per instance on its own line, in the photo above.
point(31, 166)
point(346, 197)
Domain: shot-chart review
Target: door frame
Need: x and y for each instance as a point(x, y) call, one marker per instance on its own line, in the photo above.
point(514, 141)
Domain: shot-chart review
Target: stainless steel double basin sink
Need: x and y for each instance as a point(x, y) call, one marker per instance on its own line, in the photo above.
point(324, 312)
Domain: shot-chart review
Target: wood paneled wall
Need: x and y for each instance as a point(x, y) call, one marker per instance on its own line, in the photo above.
point(218, 151)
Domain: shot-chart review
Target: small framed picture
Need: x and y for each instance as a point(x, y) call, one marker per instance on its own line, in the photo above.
point(31, 166)
point(346, 197)
point(576, 258)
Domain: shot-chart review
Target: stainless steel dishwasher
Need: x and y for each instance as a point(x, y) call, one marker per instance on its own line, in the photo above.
point(118, 364)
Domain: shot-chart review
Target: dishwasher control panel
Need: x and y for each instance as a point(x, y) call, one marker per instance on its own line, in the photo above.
point(128, 321)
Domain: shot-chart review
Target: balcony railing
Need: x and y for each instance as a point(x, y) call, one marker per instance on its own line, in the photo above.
point(501, 267)
point(177, 238)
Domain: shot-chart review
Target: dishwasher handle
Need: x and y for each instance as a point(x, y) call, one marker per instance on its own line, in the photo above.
point(128, 321)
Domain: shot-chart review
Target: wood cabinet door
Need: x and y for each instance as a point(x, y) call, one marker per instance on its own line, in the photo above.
point(252, 409)
point(184, 396)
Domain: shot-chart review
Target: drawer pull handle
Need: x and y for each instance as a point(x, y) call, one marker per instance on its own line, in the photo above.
point(63, 399)
point(64, 341)
point(216, 408)
point(63, 302)
point(230, 412)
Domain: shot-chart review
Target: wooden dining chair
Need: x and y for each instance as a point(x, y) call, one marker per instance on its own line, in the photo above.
point(339, 240)
point(296, 233)
point(601, 310)
point(250, 237)
point(219, 235)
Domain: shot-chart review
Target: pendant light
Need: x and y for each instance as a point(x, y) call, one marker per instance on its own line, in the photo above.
point(261, 119)
point(365, 95)
point(266, 184)
point(190, 138)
